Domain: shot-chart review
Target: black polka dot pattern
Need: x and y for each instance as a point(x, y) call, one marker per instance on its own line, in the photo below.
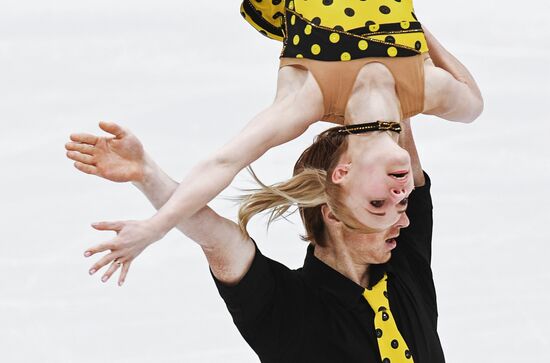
point(266, 16)
point(391, 344)
point(349, 12)
point(379, 29)
point(384, 9)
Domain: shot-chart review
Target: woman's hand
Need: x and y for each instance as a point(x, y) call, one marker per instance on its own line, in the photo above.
point(132, 238)
point(119, 158)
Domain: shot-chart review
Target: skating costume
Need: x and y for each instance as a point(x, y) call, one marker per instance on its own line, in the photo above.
point(334, 39)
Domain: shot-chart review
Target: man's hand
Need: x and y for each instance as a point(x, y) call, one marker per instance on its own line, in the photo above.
point(119, 158)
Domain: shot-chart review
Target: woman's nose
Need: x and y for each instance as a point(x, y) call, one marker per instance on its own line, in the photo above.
point(397, 194)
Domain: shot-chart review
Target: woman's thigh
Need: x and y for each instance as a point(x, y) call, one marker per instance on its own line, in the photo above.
point(373, 97)
point(298, 90)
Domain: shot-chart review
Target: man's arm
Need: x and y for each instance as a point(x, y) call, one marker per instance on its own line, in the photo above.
point(406, 141)
point(228, 252)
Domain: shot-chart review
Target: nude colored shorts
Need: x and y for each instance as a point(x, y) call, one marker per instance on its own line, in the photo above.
point(336, 80)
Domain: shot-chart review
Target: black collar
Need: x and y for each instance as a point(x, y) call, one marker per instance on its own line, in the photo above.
point(344, 289)
point(370, 126)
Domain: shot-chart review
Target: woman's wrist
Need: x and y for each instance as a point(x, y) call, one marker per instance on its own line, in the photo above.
point(162, 223)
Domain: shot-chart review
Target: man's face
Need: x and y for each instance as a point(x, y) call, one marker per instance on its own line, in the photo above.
point(376, 247)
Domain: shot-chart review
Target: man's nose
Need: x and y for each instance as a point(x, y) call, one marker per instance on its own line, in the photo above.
point(403, 221)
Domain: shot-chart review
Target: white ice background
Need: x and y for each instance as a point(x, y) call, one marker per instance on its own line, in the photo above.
point(185, 76)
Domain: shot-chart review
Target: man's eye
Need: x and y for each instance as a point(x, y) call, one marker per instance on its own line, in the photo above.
point(377, 203)
point(404, 202)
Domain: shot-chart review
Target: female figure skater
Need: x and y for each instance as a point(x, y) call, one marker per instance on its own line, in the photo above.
point(367, 89)
point(349, 303)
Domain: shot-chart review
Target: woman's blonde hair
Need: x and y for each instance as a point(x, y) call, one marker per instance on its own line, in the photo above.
point(309, 189)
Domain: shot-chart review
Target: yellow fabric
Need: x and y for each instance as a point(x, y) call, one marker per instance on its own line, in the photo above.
point(390, 24)
point(408, 39)
point(391, 344)
point(351, 14)
point(265, 10)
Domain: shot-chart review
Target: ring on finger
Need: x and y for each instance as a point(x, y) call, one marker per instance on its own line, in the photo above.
point(117, 262)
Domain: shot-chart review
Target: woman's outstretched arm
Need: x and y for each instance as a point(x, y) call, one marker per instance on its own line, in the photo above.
point(283, 121)
point(122, 159)
point(298, 104)
point(451, 90)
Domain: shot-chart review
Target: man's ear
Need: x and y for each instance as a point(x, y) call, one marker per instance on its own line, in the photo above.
point(340, 173)
point(328, 215)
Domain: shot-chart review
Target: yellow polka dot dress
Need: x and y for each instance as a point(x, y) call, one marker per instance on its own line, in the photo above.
point(339, 30)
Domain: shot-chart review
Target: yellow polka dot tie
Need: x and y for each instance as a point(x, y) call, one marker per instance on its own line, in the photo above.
point(391, 344)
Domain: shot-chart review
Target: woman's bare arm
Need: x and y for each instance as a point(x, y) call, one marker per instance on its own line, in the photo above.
point(289, 116)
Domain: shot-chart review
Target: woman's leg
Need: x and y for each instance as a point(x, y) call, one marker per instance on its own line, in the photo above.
point(451, 91)
point(373, 97)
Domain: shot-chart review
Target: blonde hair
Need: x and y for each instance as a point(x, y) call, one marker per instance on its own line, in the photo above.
point(309, 189)
point(304, 190)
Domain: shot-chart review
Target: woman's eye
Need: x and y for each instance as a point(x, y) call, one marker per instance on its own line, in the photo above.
point(377, 203)
point(404, 202)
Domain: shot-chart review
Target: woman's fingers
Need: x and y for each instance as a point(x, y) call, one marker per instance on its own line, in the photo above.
point(81, 148)
point(108, 226)
point(85, 138)
point(100, 248)
point(82, 158)
point(112, 128)
point(124, 272)
point(112, 269)
point(103, 262)
point(85, 168)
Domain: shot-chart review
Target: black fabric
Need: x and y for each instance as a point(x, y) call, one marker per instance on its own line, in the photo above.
point(315, 314)
point(386, 29)
point(348, 43)
point(256, 16)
